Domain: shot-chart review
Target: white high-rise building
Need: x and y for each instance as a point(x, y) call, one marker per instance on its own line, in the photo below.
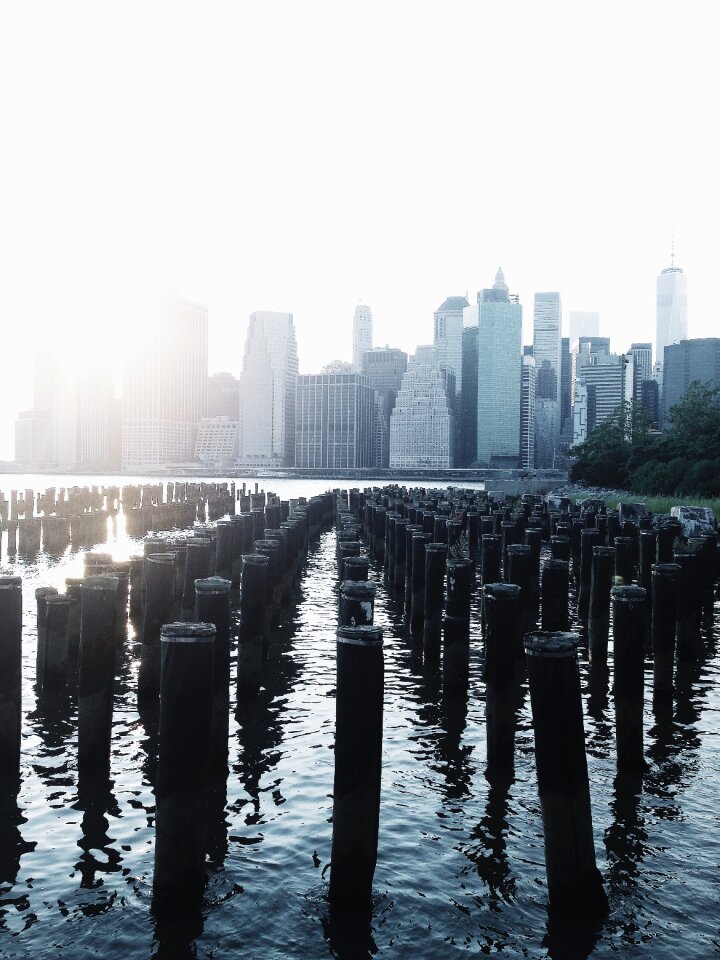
point(362, 334)
point(527, 418)
point(499, 320)
point(671, 325)
point(267, 390)
point(583, 323)
point(421, 424)
point(95, 412)
point(165, 385)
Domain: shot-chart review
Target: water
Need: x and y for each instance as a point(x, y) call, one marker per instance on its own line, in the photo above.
point(460, 865)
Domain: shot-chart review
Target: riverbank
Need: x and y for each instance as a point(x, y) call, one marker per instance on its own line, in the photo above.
point(656, 504)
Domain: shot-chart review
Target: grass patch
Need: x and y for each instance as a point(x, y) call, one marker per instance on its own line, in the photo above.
point(658, 504)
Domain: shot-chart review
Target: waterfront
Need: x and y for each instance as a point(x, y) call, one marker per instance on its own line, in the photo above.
point(460, 865)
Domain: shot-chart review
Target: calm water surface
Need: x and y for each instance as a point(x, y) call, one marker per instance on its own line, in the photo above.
point(460, 865)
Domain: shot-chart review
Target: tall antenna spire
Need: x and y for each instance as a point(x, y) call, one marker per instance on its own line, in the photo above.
point(672, 248)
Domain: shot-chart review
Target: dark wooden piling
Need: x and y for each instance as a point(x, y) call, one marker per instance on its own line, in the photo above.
point(159, 600)
point(664, 612)
point(97, 675)
point(55, 663)
point(181, 790)
point(10, 676)
point(629, 657)
point(357, 603)
point(252, 624)
point(589, 538)
point(358, 767)
point(435, 562)
point(601, 579)
point(212, 605)
point(574, 882)
point(555, 589)
point(417, 614)
point(502, 628)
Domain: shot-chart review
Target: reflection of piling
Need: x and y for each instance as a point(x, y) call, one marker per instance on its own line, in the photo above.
point(252, 621)
point(10, 675)
point(435, 561)
point(358, 750)
point(603, 566)
point(357, 603)
point(97, 674)
point(629, 656)
point(555, 587)
point(186, 693)
point(574, 882)
point(502, 628)
point(212, 605)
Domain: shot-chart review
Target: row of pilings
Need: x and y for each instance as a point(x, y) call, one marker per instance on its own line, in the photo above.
point(61, 517)
point(553, 576)
point(178, 596)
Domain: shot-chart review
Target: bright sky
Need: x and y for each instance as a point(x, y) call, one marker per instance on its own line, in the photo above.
point(302, 155)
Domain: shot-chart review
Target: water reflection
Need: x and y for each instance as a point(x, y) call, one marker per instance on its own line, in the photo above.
point(96, 800)
point(488, 840)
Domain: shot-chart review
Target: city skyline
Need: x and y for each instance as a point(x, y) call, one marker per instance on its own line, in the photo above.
point(313, 185)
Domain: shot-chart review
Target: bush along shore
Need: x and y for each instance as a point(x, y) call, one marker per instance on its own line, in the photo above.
point(625, 453)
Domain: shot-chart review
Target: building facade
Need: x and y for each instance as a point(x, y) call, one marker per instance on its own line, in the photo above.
point(547, 343)
point(421, 424)
point(684, 362)
point(267, 391)
point(217, 440)
point(223, 396)
point(499, 321)
point(362, 334)
point(608, 382)
point(527, 414)
point(671, 316)
point(384, 367)
point(165, 385)
point(334, 427)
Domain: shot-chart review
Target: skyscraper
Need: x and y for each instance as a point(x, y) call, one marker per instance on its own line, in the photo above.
point(267, 390)
point(95, 403)
point(362, 333)
point(499, 322)
point(604, 382)
point(165, 385)
point(686, 361)
point(334, 421)
point(384, 368)
point(421, 425)
point(447, 336)
point(547, 330)
point(527, 418)
point(671, 324)
point(466, 424)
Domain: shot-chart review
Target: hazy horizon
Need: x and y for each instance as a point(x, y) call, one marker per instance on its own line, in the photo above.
point(300, 157)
